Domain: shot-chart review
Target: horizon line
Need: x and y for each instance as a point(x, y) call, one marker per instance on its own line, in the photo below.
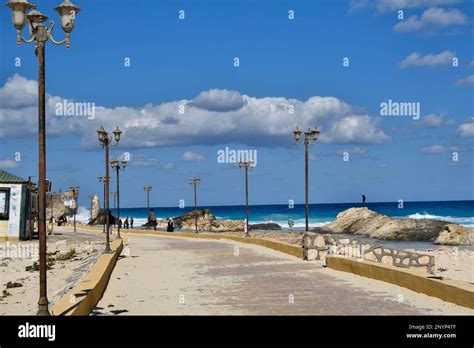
point(237, 205)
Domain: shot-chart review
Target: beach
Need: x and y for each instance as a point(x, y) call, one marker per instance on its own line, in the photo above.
point(67, 268)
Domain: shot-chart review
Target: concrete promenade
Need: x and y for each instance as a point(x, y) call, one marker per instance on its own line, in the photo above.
point(176, 276)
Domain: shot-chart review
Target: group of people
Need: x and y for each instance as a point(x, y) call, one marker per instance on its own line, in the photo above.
point(128, 223)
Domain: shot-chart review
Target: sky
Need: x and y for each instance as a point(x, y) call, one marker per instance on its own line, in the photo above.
point(184, 80)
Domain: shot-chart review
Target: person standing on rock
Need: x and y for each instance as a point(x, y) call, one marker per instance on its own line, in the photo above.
point(363, 200)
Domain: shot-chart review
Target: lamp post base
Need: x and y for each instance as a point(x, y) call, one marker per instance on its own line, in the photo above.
point(43, 307)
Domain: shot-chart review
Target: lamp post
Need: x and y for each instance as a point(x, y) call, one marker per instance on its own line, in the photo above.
point(147, 189)
point(39, 34)
point(114, 194)
point(105, 141)
point(310, 138)
point(246, 165)
point(195, 182)
point(116, 166)
point(102, 181)
point(75, 194)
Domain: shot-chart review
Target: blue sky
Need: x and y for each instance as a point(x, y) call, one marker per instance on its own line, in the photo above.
point(283, 63)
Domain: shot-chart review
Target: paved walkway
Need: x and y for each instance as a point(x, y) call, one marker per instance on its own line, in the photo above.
point(171, 275)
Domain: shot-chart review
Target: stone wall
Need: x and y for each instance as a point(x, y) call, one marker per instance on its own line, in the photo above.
point(317, 247)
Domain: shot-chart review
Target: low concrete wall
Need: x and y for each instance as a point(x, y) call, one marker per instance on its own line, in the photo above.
point(318, 246)
point(454, 291)
point(82, 299)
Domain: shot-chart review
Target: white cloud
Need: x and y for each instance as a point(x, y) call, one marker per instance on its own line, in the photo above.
point(219, 100)
point(358, 150)
point(467, 129)
point(469, 80)
point(141, 160)
point(430, 60)
point(383, 6)
point(432, 20)
point(439, 149)
point(354, 129)
point(5, 164)
point(430, 121)
point(257, 121)
point(192, 156)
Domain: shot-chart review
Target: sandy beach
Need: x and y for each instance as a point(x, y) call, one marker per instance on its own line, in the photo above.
point(66, 269)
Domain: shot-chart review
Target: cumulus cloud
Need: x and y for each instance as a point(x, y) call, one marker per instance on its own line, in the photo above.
point(430, 121)
point(469, 80)
point(241, 119)
point(439, 149)
point(192, 156)
point(467, 129)
point(6, 164)
point(354, 129)
point(383, 6)
point(432, 20)
point(219, 100)
point(430, 60)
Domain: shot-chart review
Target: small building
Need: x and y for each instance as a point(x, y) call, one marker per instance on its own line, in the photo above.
point(18, 207)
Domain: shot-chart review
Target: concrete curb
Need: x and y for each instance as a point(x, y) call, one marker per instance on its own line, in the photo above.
point(82, 299)
point(454, 291)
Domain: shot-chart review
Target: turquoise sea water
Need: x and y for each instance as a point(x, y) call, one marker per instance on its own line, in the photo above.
point(461, 212)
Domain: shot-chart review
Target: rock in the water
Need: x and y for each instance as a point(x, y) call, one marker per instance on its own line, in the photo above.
point(265, 226)
point(453, 234)
point(365, 222)
point(206, 221)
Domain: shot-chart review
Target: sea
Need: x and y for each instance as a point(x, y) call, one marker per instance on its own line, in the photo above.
point(460, 212)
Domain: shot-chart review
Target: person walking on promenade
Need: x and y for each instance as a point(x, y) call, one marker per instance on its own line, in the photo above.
point(170, 227)
point(363, 200)
point(152, 219)
point(131, 222)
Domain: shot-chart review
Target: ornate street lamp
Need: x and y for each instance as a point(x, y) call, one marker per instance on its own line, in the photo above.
point(116, 166)
point(246, 165)
point(310, 138)
point(147, 189)
point(195, 182)
point(75, 194)
point(105, 141)
point(39, 34)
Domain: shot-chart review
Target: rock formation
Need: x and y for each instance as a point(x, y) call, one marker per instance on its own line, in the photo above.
point(62, 205)
point(267, 226)
point(453, 234)
point(365, 222)
point(207, 222)
point(95, 207)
